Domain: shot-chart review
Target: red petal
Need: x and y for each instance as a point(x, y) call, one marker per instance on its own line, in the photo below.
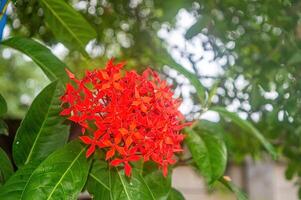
point(110, 154)
point(116, 162)
point(117, 76)
point(133, 158)
point(117, 86)
point(66, 111)
point(120, 150)
point(106, 86)
point(138, 135)
point(143, 108)
point(127, 169)
point(90, 151)
point(85, 139)
point(123, 131)
point(165, 170)
point(70, 74)
point(168, 140)
point(104, 75)
point(136, 103)
point(128, 142)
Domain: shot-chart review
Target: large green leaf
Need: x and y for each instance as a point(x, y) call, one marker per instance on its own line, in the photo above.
point(61, 176)
point(246, 126)
point(112, 184)
point(209, 153)
point(98, 183)
point(68, 26)
point(41, 131)
point(13, 188)
point(6, 168)
point(210, 127)
point(3, 106)
point(175, 195)
point(240, 195)
point(41, 55)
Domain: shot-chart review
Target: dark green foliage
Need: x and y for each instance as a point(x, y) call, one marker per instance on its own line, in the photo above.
point(41, 131)
point(112, 184)
point(260, 41)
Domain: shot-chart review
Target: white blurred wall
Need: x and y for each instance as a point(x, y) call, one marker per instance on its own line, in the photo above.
point(263, 180)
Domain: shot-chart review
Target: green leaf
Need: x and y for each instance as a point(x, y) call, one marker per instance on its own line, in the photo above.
point(197, 27)
point(166, 59)
point(3, 106)
point(138, 187)
point(41, 132)
point(61, 176)
point(210, 127)
point(175, 195)
point(6, 168)
point(200, 90)
point(159, 185)
point(295, 59)
point(13, 188)
point(112, 184)
point(98, 183)
point(68, 26)
point(209, 153)
point(41, 55)
point(246, 126)
point(3, 128)
point(240, 195)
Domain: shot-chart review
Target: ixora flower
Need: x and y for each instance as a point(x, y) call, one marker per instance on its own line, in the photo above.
point(129, 116)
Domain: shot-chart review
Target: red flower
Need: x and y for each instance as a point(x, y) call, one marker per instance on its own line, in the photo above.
point(130, 116)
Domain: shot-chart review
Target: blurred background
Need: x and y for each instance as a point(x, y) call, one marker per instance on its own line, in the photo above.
point(247, 51)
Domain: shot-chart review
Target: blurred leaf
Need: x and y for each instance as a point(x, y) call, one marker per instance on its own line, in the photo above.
point(166, 59)
point(3, 128)
point(208, 152)
point(112, 184)
point(255, 97)
point(175, 195)
point(3, 106)
point(197, 27)
point(240, 195)
point(200, 90)
point(290, 171)
point(295, 59)
point(41, 132)
point(41, 55)
point(68, 26)
point(246, 126)
point(211, 94)
point(61, 176)
point(6, 167)
point(14, 187)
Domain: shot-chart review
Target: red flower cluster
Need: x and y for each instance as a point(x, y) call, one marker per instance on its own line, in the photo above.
point(128, 115)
